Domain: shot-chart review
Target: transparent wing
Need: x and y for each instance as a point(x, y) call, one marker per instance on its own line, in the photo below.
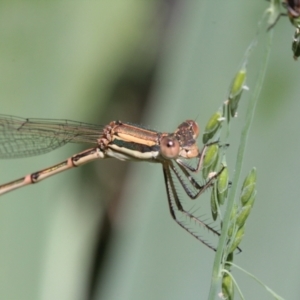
point(21, 137)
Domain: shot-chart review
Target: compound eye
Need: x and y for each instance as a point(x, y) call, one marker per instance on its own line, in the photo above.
point(169, 147)
point(195, 128)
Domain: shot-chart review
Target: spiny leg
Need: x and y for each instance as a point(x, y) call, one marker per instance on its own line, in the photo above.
point(174, 204)
point(200, 188)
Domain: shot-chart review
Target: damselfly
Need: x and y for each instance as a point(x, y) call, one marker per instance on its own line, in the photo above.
point(125, 141)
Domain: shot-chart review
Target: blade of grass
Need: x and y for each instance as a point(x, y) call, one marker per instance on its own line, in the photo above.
point(215, 283)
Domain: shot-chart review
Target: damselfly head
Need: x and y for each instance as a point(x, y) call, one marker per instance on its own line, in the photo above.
point(187, 133)
point(188, 128)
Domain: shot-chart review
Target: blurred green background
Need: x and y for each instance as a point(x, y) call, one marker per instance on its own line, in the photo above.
point(157, 63)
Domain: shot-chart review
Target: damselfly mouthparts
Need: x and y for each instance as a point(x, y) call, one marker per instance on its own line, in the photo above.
point(125, 141)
